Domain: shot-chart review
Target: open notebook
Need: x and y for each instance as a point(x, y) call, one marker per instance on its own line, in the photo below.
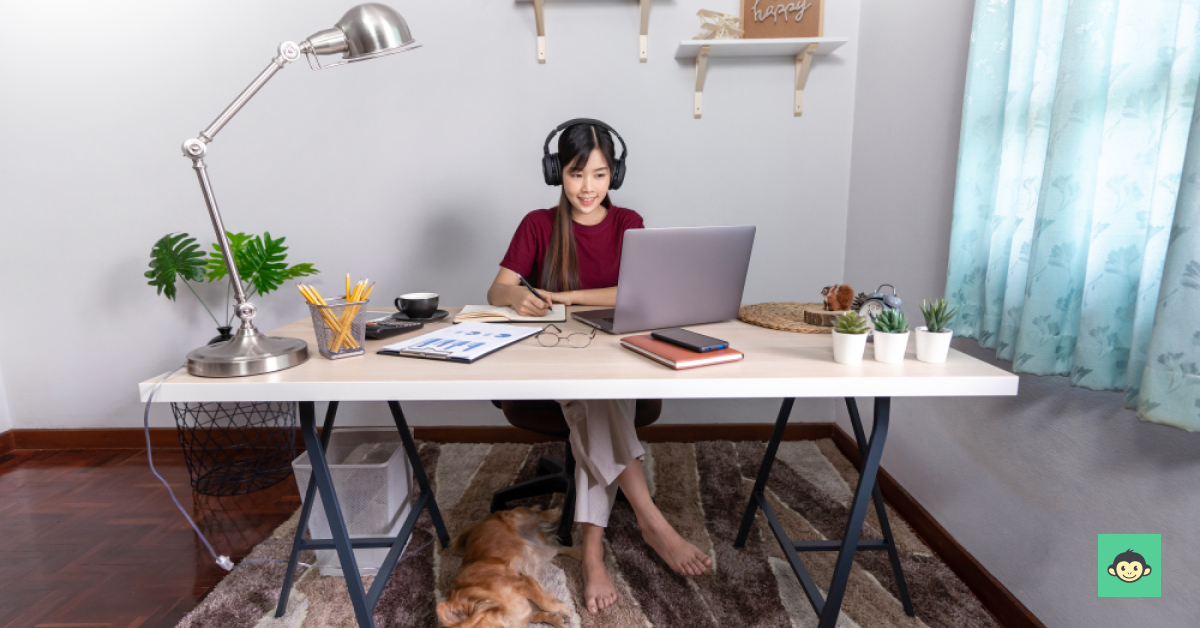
point(502, 314)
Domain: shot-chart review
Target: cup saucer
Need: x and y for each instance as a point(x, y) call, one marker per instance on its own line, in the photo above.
point(437, 316)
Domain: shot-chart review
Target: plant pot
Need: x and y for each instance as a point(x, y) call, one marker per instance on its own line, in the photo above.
point(933, 346)
point(225, 334)
point(890, 348)
point(849, 348)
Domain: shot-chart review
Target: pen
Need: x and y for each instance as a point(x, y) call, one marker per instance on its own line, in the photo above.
point(535, 292)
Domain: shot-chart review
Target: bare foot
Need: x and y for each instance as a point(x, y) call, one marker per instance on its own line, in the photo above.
point(598, 588)
point(680, 555)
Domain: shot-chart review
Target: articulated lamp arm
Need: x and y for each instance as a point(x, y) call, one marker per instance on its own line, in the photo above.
point(197, 147)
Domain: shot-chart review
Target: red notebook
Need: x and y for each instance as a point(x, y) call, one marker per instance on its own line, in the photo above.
point(675, 356)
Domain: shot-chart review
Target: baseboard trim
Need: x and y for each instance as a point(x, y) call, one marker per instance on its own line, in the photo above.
point(1008, 610)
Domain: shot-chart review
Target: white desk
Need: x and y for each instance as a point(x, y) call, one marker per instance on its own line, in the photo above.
point(777, 364)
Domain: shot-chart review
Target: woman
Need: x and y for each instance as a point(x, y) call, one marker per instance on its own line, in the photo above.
point(572, 253)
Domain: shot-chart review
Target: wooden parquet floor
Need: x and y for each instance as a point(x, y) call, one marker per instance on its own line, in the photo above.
point(90, 538)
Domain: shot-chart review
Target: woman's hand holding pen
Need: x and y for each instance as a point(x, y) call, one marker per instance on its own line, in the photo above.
point(526, 303)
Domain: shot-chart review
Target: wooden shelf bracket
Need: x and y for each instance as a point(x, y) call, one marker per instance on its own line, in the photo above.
point(803, 62)
point(701, 71)
point(645, 30)
point(539, 9)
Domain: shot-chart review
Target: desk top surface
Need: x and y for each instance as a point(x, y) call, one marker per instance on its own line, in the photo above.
point(777, 364)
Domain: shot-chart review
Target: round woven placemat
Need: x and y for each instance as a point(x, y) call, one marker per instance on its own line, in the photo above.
point(785, 316)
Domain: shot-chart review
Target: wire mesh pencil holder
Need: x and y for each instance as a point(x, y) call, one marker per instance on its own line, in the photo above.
point(236, 448)
point(341, 327)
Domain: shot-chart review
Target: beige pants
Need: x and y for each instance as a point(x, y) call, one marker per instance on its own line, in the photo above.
point(604, 442)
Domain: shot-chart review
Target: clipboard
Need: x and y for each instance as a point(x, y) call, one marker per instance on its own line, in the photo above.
point(463, 343)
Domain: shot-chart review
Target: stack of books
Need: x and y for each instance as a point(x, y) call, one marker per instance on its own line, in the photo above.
point(676, 356)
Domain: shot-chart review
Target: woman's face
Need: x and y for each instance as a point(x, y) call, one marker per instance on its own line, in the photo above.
point(587, 187)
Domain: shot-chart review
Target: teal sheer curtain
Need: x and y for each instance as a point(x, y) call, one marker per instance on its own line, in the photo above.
point(1072, 197)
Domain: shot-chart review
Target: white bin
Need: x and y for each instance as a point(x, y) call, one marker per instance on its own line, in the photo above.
point(373, 480)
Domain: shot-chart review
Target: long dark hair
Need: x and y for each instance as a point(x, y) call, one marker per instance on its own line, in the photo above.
point(560, 272)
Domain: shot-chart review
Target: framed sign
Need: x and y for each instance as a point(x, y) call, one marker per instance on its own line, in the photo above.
point(770, 19)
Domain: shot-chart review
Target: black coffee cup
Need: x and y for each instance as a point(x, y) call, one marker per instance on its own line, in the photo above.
point(417, 304)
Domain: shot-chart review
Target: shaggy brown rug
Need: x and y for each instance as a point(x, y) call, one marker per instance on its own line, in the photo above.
point(702, 488)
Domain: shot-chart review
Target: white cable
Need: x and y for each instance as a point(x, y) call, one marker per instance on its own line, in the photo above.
point(225, 562)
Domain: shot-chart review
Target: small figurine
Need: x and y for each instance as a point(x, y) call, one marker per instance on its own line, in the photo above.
point(838, 297)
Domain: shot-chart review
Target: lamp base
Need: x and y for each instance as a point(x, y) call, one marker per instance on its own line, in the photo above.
point(249, 353)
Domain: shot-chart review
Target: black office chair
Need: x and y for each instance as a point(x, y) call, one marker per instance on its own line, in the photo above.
point(555, 475)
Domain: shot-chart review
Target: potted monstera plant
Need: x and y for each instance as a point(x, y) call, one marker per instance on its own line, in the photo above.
point(849, 338)
point(933, 340)
point(261, 262)
point(891, 336)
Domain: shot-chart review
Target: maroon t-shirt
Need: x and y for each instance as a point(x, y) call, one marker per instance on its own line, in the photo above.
point(597, 247)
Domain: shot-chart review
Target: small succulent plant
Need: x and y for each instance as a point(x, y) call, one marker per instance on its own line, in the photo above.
point(937, 315)
point(850, 323)
point(891, 322)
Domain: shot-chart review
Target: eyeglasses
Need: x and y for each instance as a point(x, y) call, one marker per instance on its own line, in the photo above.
point(576, 340)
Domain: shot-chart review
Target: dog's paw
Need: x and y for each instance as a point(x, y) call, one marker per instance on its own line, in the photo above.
point(559, 621)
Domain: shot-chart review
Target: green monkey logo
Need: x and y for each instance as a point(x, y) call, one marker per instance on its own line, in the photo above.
point(1129, 566)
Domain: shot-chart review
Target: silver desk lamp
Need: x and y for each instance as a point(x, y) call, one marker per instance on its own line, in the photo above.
point(365, 32)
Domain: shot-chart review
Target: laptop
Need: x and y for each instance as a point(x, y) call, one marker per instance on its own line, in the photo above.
point(678, 276)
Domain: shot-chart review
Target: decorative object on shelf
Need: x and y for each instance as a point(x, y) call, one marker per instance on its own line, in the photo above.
point(717, 25)
point(870, 305)
point(771, 19)
point(891, 336)
point(539, 11)
point(261, 263)
point(236, 448)
point(784, 316)
point(838, 297)
point(849, 338)
point(933, 340)
point(366, 31)
point(340, 325)
point(822, 318)
point(801, 48)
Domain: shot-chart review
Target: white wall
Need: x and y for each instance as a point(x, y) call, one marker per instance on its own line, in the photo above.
point(1024, 483)
point(413, 169)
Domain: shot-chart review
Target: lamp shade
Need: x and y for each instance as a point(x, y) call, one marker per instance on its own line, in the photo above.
point(373, 30)
point(364, 32)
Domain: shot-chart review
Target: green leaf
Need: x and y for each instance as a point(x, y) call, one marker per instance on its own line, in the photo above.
point(301, 270)
point(261, 262)
point(215, 266)
point(174, 255)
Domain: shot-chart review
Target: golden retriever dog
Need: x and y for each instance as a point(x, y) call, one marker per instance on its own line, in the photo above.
point(504, 559)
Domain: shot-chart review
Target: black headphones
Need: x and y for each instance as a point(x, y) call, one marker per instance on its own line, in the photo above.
point(552, 169)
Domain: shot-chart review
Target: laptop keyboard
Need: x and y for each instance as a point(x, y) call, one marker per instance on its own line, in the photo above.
point(607, 319)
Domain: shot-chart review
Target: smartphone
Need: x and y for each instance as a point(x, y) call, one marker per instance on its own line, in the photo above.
point(689, 340)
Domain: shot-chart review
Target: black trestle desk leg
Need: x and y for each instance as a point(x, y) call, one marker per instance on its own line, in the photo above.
point(858, 514)
point(414, 456)
point(305, 511)
point(881, 511)
point(764, 471)
point(333, 512)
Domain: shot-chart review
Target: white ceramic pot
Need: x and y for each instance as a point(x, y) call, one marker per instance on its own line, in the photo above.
point(849, 348)
point(933, 347)
point(890, 348)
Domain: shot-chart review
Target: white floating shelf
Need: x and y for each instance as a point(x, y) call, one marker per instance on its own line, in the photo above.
point(802, 48)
